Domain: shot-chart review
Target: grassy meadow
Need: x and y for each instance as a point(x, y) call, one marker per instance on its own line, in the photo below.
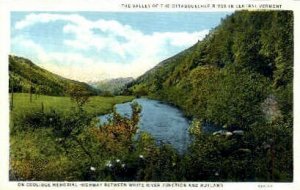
point(97, 105)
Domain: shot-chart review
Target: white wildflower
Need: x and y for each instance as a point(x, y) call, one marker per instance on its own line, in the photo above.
point(92, 168)
point(108, 163)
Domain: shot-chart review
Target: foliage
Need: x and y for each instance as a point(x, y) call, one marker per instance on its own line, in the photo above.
point(226, 72)
point(35, 155)
point(79, 95)
point(75, 139)
point(262, 154)
point(237, 100)
point(195, 128)
point(139, 91)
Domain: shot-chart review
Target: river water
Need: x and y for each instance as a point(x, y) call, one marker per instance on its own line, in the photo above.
point(165, 123)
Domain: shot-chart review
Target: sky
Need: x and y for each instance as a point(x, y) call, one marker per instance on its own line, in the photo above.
point(93, 46)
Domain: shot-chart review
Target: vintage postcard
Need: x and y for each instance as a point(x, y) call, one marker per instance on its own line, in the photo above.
point(149, 95)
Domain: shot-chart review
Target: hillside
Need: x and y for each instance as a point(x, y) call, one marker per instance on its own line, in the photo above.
point(239, 78)
point(226, 77)
point(24, 74)
point(114, 86)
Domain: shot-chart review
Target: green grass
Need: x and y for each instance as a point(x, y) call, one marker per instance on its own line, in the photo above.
point(96, 105)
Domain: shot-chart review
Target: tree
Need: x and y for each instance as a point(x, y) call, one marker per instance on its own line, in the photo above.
point(79, 95)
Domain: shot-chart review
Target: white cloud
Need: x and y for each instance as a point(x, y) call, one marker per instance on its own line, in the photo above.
point(33, 19)
point(144, 50)
point(25, 44)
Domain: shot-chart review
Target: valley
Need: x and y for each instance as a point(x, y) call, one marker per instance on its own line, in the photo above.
point(238, 78)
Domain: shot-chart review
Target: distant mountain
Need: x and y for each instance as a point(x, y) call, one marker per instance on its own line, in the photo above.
point(24, 76)
point(114, 86)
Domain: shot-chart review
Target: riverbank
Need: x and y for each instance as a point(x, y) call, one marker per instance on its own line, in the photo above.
point(166, 123)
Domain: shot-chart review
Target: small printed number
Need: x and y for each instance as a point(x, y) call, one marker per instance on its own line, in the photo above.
point(265, 186)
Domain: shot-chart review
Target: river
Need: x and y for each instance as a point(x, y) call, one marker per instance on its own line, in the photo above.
point(165, 123)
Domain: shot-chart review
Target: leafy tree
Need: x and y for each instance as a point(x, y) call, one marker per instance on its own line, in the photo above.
point(79, 95)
